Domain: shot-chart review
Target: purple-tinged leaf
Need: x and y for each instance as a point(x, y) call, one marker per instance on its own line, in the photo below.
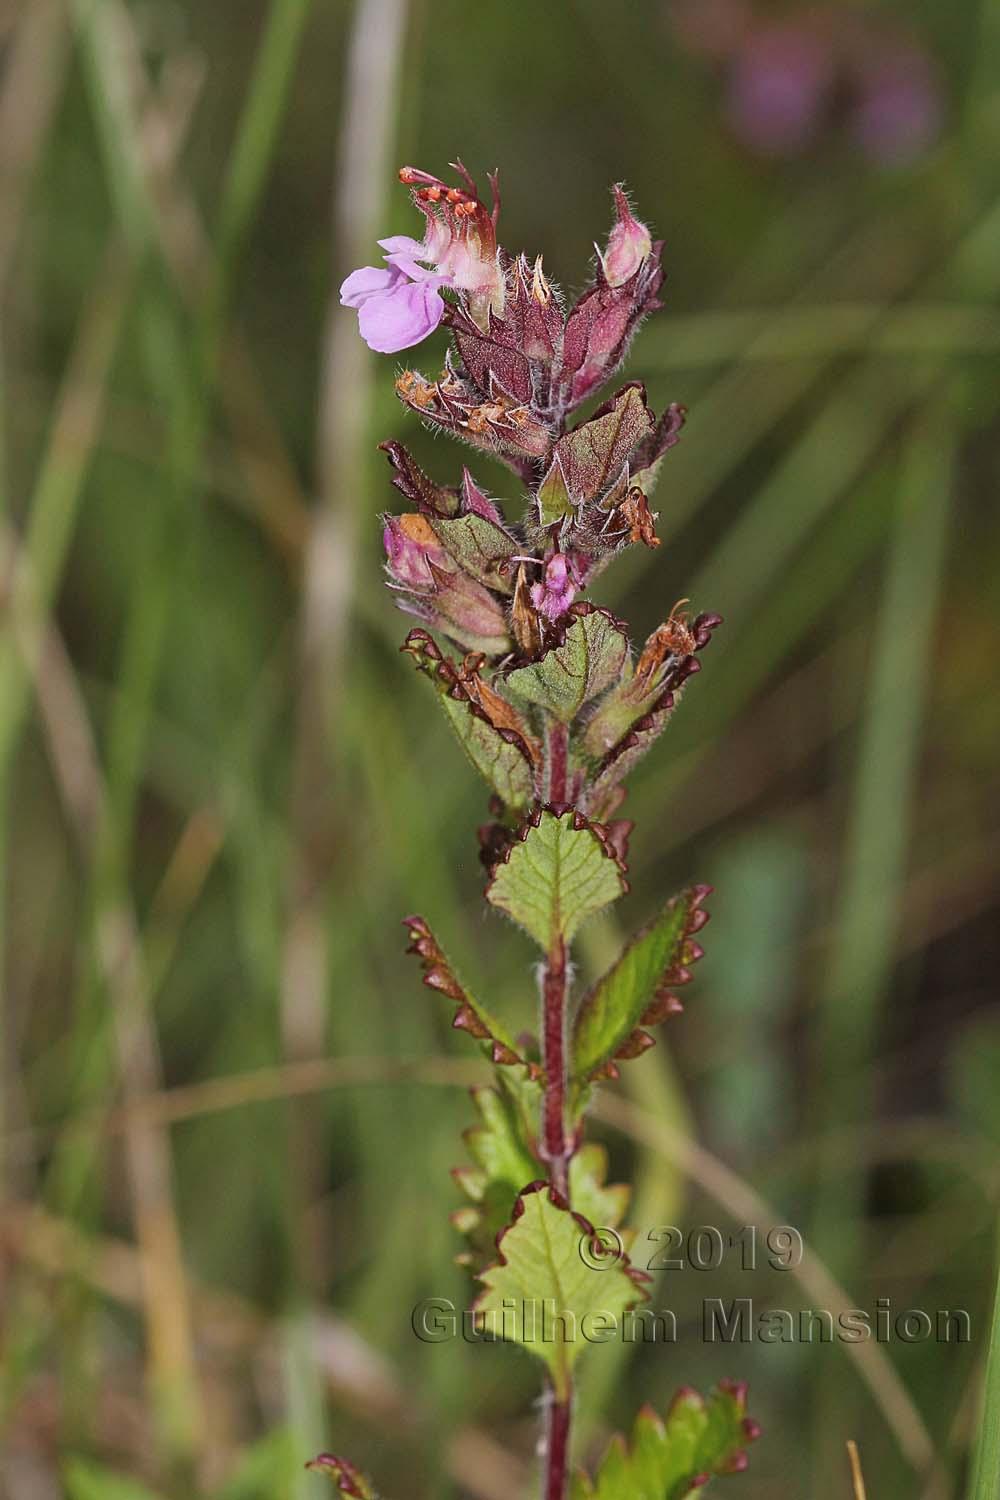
point(649, 455)
point(593, 455)
point(471, 1015)
point(348, 1480)
point(430, 499)
point(474, 503)
point(649, 692)
point(542, 319)
point(493, 359)
point(490, 730)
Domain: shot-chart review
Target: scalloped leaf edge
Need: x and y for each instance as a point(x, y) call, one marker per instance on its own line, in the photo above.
point(664, 1002)
point(470, 1016)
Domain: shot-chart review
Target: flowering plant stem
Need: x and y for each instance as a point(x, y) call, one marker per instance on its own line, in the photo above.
point(554, 708)
point(557, 1423)
point(555, 984)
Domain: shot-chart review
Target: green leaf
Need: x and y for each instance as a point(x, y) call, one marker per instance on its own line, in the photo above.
point(492, 734)
point(672, 1458)
point(481, 549)
point(504, 1161)
point(594, 454)
point(589, 1191)
point(347, 1479)
point(471, 1015)
point(554, 501)
point(629, 717)
point(603, 794)
point(560, 870)
point(588, 660)
point(85, 1480)
point(635, 991)
point(543, 1295)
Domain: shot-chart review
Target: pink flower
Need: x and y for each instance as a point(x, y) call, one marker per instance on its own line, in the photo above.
point(461, 239)
point(555, 595)
point(399, 304)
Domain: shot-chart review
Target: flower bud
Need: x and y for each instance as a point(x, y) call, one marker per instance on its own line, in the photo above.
point(437, 591)
point(410, 545)
point(629, 244)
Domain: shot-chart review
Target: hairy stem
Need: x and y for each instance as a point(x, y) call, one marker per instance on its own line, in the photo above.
point(557, 766)
point(557, 1418)
point(555, 1147)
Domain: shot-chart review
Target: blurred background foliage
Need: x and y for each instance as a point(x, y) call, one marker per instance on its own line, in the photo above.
point(228, 1109)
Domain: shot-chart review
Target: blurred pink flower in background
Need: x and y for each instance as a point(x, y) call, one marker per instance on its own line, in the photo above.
point(901, 109)
point(787, 79)
point(780, 82)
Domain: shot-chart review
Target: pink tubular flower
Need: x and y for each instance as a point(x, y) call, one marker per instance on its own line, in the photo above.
point(555, 595)
point(461, 238)
point(398, 305)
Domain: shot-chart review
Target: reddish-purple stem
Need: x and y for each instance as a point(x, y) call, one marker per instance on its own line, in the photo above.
point(556, 1447)
point(558, 763)
point(557, 1151)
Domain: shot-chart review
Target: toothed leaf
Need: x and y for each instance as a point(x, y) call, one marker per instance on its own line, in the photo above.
point(410, 480)
point(673, 1457)
point(471, 1015)
point(542, 1294)
point(602, 1203)
point(634, 991)
point(560, 870)
point(489, 730)
point(647, 461)
point(481, 549)
point(587, 661)
point(346, 1478)
point(504, 1161)
point(629, 719)
point(594, 454)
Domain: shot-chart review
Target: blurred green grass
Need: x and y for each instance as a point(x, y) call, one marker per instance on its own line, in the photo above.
point(222, 788)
